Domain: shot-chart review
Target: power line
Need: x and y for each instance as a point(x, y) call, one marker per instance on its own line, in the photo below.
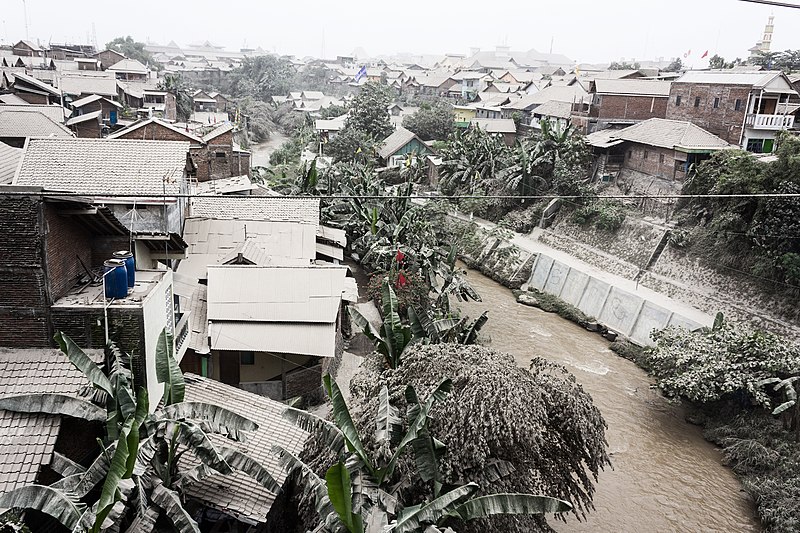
point(773, 3)
point(98, 199)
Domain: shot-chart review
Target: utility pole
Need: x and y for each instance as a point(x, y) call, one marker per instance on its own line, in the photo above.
point(25, 14)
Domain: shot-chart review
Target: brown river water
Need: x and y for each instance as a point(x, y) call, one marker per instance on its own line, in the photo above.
point(665, 476)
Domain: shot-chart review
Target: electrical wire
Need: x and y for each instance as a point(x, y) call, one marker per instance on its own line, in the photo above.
point(772, 3)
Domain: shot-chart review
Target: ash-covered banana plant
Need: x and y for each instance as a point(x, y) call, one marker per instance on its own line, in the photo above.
point(139, 470)
point(358, 495)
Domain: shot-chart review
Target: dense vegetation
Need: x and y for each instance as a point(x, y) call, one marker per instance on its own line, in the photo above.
point(432, 121)
point(758, 235)
point(744, 383)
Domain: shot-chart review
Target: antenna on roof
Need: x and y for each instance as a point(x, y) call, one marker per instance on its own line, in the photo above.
point(25, 14)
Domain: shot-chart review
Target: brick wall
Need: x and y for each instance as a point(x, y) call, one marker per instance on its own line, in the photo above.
point(87, 130)
point(23, 288)
point(653, 161)
point(631, 107)
point(723, 121)
point(170, 107)
point(67, 243)
point(216, 160)
point(305, 381)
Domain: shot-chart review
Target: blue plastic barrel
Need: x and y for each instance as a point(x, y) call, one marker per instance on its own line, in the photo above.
point(116, 278)
point(130, 265)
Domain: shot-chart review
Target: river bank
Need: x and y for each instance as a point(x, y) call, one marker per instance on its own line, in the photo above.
point(260, 152)
point(666, 476)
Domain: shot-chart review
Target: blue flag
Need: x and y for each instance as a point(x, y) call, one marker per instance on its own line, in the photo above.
point(361, 74)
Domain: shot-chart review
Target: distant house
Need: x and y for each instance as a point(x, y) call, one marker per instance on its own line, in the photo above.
point(30, 89)
point(19, 124)
point(90, 104)
point(76, 85)
point(27, 48)
point(129, 70)
point(656, 147)
point(108, 58)
point(523, 108)
point(620, 102)
point(505, 128)
point(327, 129)
point(212, 154)
point(223, 104)
point(464, 114)
point(556, 113)
point(87, 125)
point(399, 145)
point(742, 107)
point(203, 102)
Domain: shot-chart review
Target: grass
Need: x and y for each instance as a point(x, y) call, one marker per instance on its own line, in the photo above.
point(554, 304)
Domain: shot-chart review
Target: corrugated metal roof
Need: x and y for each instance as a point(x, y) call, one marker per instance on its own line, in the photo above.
point(272, 208)
point(317, 339)
point(350, 290)
point(198, 334)
point(331, 251)
point(9, 162)
point(130, 131)
point(210, 240)
point(94, 115)
point(275, 294)
point(495, 125)
point(128, 65)
point(238, 494)
point(249, 252)
point(97, 167)
point(396, 141)
point(105, 84)
point(335, 235)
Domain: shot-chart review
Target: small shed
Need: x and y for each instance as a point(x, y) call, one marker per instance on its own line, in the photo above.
point(400, 144)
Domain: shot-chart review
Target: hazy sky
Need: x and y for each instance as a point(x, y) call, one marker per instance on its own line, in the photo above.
point(586, 31)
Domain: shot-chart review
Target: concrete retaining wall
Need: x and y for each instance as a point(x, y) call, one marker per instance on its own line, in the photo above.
point(620, 310)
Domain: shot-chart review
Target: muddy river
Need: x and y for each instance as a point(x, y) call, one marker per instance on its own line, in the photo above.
point(665, 476)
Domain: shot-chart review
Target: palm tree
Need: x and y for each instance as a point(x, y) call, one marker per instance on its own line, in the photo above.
point(362, 496)
point(138, 466)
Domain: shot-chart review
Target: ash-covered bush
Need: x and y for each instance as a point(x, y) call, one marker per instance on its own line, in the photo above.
point(506, 428)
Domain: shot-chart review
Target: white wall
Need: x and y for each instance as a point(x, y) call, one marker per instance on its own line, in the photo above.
point(157, 310)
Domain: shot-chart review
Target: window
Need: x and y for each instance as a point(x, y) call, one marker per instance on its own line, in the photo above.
point(247, 358)
point(678, 101)
point(737, 106)
point(680, 166)
point(661, 158)
point(629, 154)
point(646, 153)
point(599, 100)
point(716, 103)
point(219, 155)
point(697, 101)
point(755, 145)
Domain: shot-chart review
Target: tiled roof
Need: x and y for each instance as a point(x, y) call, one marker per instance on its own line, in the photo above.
point(128, 65)
point(97, 167)
point(129, 132)
point(239, 494)
point(756, 78)
point(27, 440)
point(103, 84)
point(633, 87)
point(554, 108)
point(216, 132)
point(20, 122)
point(670, 134)
point(53, 112)
point(276, 209)
point(9, 161)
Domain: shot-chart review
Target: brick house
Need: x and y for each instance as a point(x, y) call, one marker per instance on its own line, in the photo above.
point(108, 58)
point(30, 89)
point(742, 107)
point(657, 147)
point(28, 49)
point(129, 70)
point(616, 103)
point(52, 250)
point(213, 154)
point(87, 126)
point(139, 181)
point(94, 103)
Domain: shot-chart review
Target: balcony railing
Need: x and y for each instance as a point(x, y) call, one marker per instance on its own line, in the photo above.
point(770, 122)
point(182, 335)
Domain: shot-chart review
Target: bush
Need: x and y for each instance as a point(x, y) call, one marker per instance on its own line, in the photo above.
point(554, 304)
point(606, 215)
point(506, 428)
point(412, 293)
point(523, 220)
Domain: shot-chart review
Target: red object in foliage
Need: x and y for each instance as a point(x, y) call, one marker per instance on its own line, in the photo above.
point(401, 280)
point(400, 256)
